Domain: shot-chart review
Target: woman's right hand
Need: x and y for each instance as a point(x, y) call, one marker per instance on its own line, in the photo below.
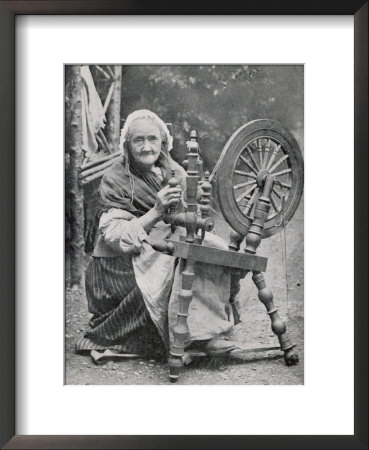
point(166, 197)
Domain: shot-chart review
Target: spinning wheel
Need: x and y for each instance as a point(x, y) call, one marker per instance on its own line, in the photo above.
point(260, 148)
point(260, 183)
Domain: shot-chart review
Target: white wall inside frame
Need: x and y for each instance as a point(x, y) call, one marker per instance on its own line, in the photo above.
point(324, 405)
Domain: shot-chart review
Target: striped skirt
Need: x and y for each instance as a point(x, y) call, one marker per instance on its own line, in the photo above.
point(120, 319)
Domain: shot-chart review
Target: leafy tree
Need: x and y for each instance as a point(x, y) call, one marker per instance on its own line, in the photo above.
point(214, 99)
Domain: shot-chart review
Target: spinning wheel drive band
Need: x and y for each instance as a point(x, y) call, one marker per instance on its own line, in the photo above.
point(258, 148)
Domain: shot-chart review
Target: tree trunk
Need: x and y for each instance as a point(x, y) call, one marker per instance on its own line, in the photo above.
point(74, 194)
point(113, 112)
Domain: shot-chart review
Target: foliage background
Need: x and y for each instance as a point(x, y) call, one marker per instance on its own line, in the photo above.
point(215, 99)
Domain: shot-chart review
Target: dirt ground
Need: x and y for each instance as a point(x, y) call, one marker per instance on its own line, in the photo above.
point(253, 368)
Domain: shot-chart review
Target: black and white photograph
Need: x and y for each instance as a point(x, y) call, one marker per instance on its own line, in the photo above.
point(184, 224)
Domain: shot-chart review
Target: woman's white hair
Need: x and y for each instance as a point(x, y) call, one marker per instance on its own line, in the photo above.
point(145, 114)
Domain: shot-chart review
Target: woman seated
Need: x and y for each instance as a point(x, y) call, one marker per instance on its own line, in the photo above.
point(132, 290)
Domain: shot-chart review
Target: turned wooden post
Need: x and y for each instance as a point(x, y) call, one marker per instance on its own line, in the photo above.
point(173, 182)
point(205, 200)
point(235, 240)
point(278, 325)
point(262, 207)
point(265, 295)
point(180, 330)
point(192, 180)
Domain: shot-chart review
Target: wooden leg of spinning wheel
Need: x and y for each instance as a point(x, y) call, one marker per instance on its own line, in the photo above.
point(236, 276)
point(278, 325)
point(235, 240)
point(180, 330)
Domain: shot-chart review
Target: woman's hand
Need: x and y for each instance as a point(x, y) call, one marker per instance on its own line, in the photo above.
point(166, 197)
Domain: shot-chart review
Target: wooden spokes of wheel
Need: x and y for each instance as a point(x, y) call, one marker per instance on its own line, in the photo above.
point(257, 149)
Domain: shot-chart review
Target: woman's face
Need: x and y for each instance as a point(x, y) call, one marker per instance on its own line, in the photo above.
point(145, 143)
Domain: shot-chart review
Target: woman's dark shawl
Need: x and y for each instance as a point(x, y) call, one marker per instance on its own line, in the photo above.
point(136, 195)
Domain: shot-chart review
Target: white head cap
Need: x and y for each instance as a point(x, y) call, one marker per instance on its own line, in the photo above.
point(144, 114)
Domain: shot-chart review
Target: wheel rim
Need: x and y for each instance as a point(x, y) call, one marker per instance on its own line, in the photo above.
point(258, 148)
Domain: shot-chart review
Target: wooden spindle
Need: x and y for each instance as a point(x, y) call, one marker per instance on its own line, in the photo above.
point(266, 153)
point(173, 182)
point(205, 200)
point(249, 151)
point(260, 151)
point(261, 211)
point(192, 180)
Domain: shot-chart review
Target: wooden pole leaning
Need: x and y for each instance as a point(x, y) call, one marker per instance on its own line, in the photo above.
point(74, 190)
point(113, 111)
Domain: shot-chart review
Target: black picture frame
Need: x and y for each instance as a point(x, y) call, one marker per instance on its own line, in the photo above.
point(8, 283)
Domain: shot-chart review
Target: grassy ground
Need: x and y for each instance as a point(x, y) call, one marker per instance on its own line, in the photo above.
point(254, 368)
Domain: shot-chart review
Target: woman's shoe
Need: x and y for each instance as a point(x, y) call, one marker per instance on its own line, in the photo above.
point(218, 345)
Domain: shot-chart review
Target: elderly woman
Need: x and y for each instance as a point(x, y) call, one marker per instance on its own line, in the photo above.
point(132, 290)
